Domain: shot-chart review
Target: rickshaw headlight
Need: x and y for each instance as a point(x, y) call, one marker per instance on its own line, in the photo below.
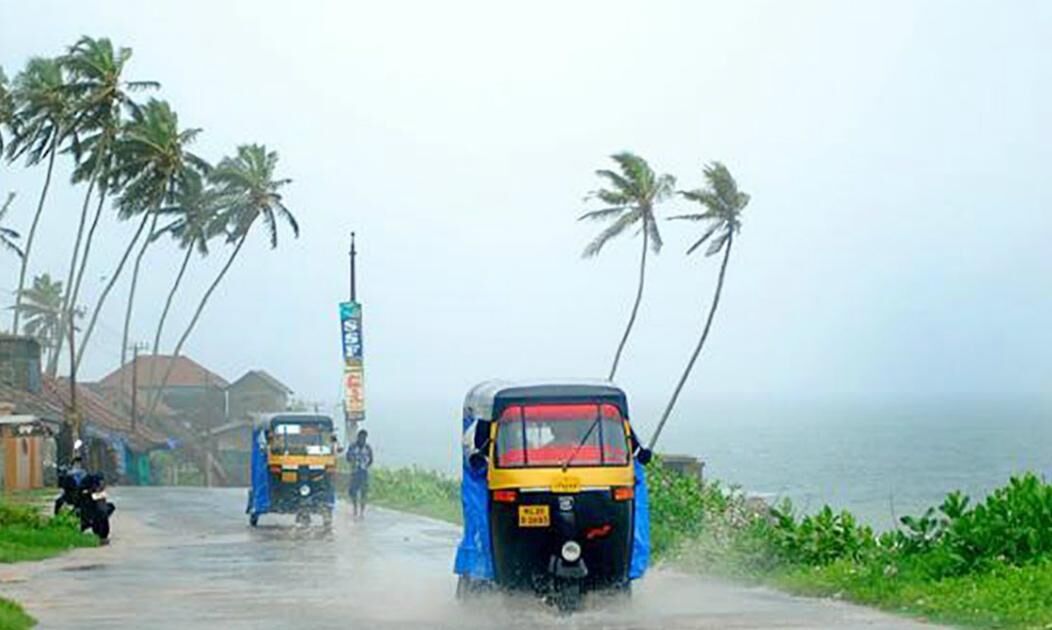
point(571, 551)
point(304, 490)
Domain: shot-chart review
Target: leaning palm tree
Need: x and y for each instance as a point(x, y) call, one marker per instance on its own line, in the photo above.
point(101, 94)
point(41, 306)
point(722, 205)
point(195, 210)
point(249, 193)
point(42, 105)
point(151, 162)
point(8, 237)
point(630, 200)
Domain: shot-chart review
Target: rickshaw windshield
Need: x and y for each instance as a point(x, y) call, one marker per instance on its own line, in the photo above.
point(548, 435)
point(300, 439)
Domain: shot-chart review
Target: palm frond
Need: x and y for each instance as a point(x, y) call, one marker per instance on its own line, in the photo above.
point(604, 213)
point(619, 226)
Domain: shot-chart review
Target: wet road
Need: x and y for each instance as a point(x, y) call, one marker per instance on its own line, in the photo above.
point(185, 557)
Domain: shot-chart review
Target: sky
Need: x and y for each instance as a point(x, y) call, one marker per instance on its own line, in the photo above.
point(897, 155)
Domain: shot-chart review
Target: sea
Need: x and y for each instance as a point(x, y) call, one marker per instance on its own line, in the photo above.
point(880, 459)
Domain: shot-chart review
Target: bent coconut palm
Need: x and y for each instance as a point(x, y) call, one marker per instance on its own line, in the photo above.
point(247, 192)
point(723, 204)
point(630, 201)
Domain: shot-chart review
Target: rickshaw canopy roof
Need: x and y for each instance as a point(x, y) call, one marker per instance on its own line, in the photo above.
point(488, 399)
point(267, 420)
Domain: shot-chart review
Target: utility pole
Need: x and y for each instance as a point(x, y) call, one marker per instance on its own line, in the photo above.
point(354, 252)
point(74, 414)
point(135, 384)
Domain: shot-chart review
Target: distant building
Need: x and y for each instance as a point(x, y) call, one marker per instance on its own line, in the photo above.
point(191, 392)
point(256, 392)
point(35, 405)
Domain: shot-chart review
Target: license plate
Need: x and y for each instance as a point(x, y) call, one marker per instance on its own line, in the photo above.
point(289, 476)
point(534, 516)
point(566, 485)
point(96, 496)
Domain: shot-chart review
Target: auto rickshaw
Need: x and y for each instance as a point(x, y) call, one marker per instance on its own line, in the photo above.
point(553, 490)
point(293, 466)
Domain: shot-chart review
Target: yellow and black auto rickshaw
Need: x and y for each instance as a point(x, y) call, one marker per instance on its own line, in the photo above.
point(293, 467)
point(553, 491)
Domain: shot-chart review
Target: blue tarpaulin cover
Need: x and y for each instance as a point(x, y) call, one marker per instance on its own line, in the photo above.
point(259, 494)
point(474, 554)
point(641, 537)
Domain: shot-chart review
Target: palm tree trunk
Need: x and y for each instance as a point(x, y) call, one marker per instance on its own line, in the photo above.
point(131, 290)
point(171, 296)
point(74, 293)
point(65, 312)
point(193, 322)
point(106, 291)
point(33, 230)
point(697, 349)
point(635, 307)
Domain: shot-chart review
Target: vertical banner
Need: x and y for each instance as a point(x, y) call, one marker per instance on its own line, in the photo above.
point(353, 370)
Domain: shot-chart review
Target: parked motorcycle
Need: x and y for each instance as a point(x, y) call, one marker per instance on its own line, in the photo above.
point(85, 493)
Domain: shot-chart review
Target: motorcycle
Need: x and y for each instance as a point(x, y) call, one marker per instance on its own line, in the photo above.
point(85, 493)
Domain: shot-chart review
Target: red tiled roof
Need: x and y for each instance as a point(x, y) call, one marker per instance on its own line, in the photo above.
point(32, 404)
point(95, 410)
point(267, 379)
point(151, 369)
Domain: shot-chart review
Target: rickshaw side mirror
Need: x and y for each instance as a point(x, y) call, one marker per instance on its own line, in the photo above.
point(477, 461)
point(644, 455)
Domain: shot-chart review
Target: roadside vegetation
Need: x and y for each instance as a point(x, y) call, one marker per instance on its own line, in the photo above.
point(985, 564)
point(12, 617)
point(26, 535)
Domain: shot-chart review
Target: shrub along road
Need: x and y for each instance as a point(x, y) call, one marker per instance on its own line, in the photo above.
point(185, 557)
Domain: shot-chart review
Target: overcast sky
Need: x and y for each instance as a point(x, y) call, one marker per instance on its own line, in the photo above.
point(898, 157)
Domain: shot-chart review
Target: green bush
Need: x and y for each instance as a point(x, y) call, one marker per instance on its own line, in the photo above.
point(27, 535)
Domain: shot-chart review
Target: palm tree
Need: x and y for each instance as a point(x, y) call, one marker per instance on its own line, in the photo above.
point(7, 108)
point(42, 105)
point(195, 209)
point(150, 164)
point(248, 193)
point(95, 80)
point(42, 307)
point(722, 205)
point(629, 201)
point(100, 94)
point(7, 235)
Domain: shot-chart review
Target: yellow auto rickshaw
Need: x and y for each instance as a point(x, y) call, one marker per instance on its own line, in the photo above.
point(293, 467)
point(553, 490)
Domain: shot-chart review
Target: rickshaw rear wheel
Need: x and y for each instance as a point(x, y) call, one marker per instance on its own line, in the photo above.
point(326, 518)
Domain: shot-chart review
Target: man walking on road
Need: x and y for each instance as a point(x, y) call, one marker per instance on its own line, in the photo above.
point(360, 457)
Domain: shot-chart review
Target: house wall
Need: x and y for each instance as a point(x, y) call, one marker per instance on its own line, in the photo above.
point(252, 395)
point(22, 462)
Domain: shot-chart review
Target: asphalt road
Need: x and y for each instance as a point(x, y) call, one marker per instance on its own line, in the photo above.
point(185, 557)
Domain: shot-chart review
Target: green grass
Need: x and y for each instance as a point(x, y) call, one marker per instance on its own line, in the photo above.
point(26, 535)
point(1005, 597)
point(416, 491)
point(12, 617)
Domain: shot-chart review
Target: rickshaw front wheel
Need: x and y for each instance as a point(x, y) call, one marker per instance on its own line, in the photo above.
point(567, 597)
point(303, 519)
point(326, 518)
point(253, 519)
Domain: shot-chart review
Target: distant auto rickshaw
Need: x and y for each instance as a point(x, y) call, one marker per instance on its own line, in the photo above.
point(293, 467)
point(553, 490)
